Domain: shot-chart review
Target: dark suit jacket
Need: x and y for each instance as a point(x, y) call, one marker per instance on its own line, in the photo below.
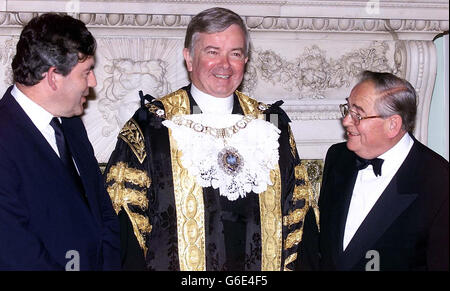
point(407, 226)
point(42, 215)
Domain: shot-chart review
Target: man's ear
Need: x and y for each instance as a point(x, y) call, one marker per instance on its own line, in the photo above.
point(188, 59)
point(52, 78)
point(394, 124)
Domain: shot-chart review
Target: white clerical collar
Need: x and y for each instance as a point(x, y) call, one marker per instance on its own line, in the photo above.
point(395, 156)
point(38, 115)
point(211, 104)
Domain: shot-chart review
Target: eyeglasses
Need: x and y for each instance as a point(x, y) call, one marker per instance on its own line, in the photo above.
point(356, 117)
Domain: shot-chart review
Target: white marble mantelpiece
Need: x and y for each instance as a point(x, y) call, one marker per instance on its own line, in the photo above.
point(307, 53)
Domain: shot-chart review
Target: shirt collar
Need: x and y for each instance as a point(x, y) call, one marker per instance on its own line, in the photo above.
point(395, 156)
point(39, 116)
point(211, 104)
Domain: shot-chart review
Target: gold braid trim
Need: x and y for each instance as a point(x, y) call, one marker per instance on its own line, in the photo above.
point(190, 212)
point(121, 172)
point(298, 215)
point(271, 228)
point(131, 133)
point(188, 194)
point(294, 217)
point(306, 191)
point(289, 260)
point(293, 238)
point(301, 173)
point(122, 197)
point(301, 192)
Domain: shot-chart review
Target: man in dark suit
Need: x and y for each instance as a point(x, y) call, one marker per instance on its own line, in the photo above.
point(55, 213)
point(384, 196)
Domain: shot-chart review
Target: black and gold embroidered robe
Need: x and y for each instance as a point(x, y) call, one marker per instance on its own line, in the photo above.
point(169, 222)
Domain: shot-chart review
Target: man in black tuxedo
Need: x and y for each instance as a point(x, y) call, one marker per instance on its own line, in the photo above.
point(55, 213)
point(384, 197)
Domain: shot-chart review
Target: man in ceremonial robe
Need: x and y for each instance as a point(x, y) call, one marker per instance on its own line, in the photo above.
point(220, 190)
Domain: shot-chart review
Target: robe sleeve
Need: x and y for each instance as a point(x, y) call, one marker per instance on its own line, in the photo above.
point(128, 183)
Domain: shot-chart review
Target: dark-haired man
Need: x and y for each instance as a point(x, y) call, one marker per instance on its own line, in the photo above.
point(220, 190)
point(54, 211)
point(384, 196)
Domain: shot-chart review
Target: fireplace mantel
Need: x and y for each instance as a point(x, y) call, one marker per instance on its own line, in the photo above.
point(306, 53)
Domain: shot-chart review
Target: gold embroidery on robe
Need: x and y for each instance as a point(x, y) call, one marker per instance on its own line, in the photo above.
point(271, 228)
point(190, 211)
point(176, 103)
point(293, 238)
point(294, 217)
point(292, 142)
point(289, 260)
point(188, 195)
point(122, 197)
point(132, 135)
point(250, 106)
point(305, 191)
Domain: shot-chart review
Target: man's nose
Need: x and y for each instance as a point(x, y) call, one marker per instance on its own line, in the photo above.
point(225, 62)
point(92, 80)
point(347, 120)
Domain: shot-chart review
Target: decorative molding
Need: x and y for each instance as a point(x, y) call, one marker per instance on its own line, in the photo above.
point(254, 23)
point(319, 112)
point(7, 52)
point(381, 9)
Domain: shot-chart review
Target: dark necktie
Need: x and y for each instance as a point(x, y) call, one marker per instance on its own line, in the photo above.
point(376, 164)
point(65, 155)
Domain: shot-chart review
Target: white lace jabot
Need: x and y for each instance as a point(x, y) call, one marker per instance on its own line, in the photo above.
point(232, 152)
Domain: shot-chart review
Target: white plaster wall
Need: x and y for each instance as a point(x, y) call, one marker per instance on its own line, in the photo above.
point(307, 53)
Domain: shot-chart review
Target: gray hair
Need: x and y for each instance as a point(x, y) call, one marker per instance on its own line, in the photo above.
point(396, 96)
point(214, 20)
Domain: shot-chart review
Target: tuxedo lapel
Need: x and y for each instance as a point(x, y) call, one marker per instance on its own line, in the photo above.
point(397, 196)
point(345, 177)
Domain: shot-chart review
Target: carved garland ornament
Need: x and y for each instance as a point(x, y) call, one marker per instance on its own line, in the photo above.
point(312, 73)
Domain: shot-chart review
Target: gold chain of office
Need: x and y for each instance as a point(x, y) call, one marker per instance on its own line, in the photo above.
point(225, 132)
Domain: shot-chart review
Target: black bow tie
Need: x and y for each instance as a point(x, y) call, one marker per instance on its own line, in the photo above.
point(376, 164)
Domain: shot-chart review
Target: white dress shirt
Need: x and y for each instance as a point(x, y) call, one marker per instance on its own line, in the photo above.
point(211, 104)
point(39, 116)
point(368, 187)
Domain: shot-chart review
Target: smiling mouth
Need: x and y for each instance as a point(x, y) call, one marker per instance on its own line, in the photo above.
point(349, 133)
point(226, 77)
